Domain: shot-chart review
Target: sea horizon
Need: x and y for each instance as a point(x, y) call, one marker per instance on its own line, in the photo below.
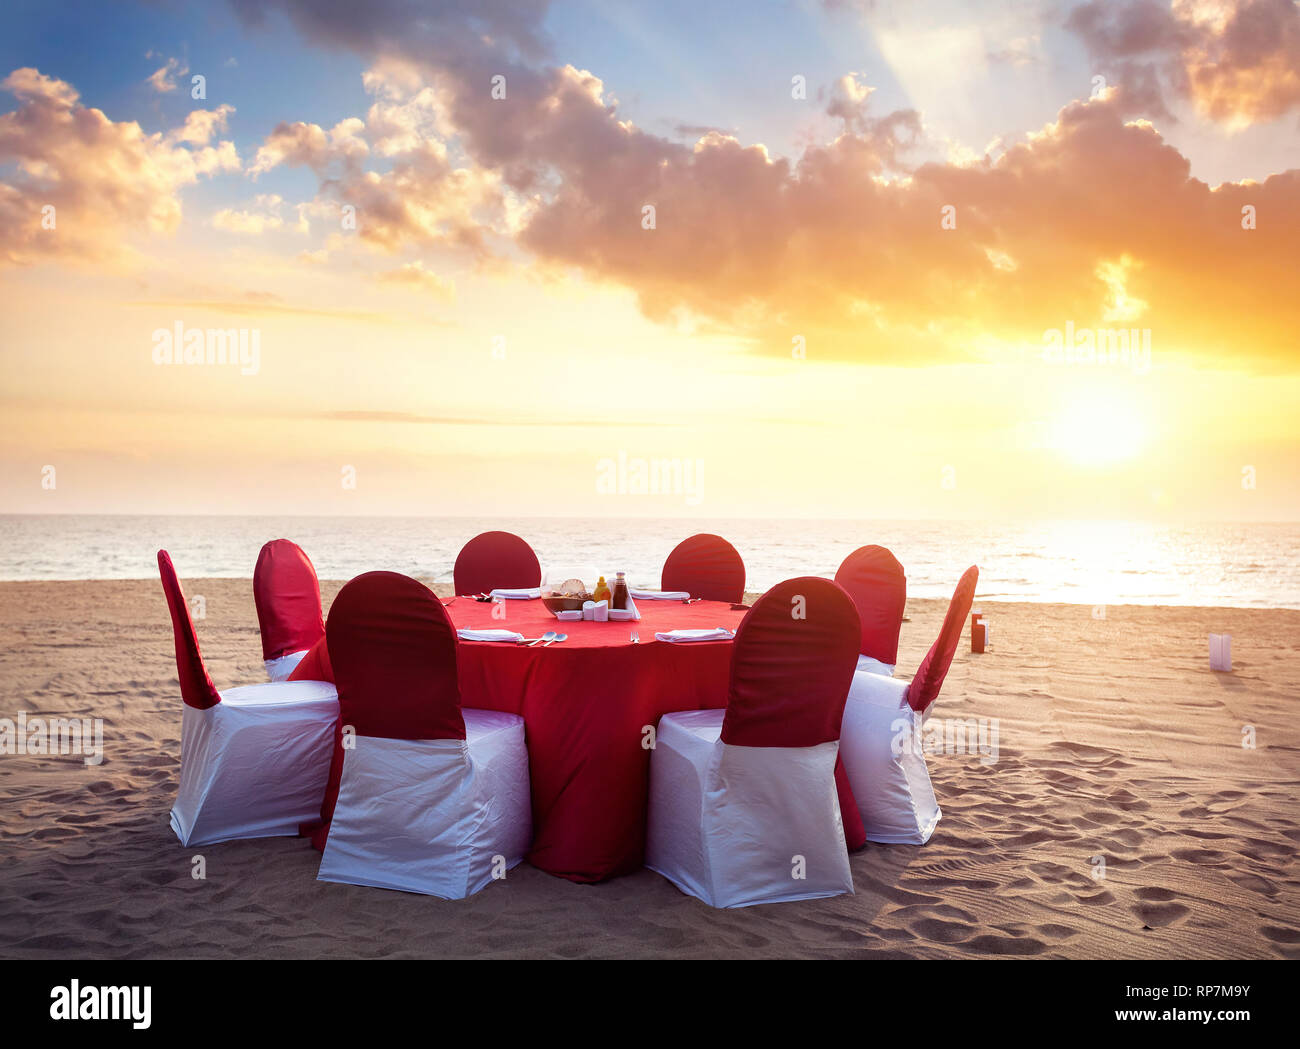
point(1099, 562)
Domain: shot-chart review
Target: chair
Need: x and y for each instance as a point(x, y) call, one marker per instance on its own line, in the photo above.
point(287, 594)
point(881, 744)
point(874, 579)
point(743, 802)
point(705, 566)
point(254, 759)
point(424, 796)
point(495, 560)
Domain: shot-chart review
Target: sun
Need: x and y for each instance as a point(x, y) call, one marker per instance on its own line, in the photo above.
point(1099, 428)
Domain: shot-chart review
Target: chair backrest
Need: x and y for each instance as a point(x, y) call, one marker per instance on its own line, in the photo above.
point(874, 579)
point(792, 663)
point(495, 559)
point(197, 689)
point(925, 686)
point(393, 651)
point(287, 594)
point(705, 566)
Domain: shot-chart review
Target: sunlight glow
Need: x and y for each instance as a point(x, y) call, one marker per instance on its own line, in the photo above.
point(1099, 429)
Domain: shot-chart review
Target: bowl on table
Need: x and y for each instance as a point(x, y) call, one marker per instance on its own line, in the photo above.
point(565, 589)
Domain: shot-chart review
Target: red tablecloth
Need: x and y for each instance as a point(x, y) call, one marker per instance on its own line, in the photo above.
point(586, 703)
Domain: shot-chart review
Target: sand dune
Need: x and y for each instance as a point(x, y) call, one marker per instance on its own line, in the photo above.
point(1115, 741)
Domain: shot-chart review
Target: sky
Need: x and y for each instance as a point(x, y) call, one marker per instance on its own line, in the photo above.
point(1007, 260)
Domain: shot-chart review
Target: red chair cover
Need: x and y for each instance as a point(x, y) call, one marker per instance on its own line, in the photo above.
point(705, 566)
point(495, 559)
point(393, 652)
point(197, 689)
point(315, 665)
point(874, 579)
point(287, 594)
point(934, 667)
point(790, 676)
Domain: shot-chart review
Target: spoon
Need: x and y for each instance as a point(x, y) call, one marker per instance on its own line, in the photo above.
point(557, 637)
point(550, 635)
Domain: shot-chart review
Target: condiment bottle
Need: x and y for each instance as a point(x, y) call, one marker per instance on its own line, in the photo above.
point(602, 590)
point(619, 599)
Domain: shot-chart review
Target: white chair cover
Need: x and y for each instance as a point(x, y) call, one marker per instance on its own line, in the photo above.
point(255, 764)
point(880, 744)
point(440, 817)
point(874, 666)
point(728, 823)
point(280, 669)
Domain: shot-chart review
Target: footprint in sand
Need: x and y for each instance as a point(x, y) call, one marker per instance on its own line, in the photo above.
point(1254, 883)
point(1006, 945)
point(53, 833)
point(1123, 799)
point(940, 931)
point(1158, 915)
point(1102, 816)
point(1203, 857)
point(1155, 894)
point(1156, 907)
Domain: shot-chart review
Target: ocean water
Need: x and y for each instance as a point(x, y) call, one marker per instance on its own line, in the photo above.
point(1236, 565)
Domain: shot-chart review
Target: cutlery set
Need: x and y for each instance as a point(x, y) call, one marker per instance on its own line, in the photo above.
point(548, 638)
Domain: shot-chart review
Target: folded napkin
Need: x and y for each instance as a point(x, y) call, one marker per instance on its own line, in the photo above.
point(489, 635)
point(660, 595)
point(525, 594)
point(717, 634)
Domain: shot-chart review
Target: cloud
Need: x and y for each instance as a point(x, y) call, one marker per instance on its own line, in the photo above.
point(103, 179)
point(1019, 52)
point(698, 131)
point(201, 125)
point(444, 28)
point(262, 215)
point(420, 196)
point(257, 303)
point(310, 145)
point(29, 84)
point(362, 416)
point(890, 135)
point(1237, 61)
point(845, 245)
point(414, 274)
point(163, 79)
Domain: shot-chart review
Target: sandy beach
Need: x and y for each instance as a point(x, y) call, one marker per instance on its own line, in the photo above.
point(1115, 740)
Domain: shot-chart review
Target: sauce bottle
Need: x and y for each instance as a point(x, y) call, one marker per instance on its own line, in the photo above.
point(619, 600)
point(602, 590)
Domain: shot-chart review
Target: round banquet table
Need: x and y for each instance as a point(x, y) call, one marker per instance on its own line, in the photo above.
point(586, 703)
